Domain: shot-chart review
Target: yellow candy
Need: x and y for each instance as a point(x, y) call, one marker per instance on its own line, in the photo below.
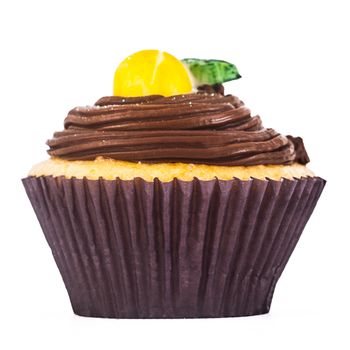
point(151, 72)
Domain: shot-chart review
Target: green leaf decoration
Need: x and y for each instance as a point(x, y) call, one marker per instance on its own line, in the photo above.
point(211, 71)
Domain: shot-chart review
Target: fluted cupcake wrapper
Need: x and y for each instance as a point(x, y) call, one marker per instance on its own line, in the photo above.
point(137, 249)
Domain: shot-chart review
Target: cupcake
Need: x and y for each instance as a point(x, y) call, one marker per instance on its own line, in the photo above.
point(169, 199)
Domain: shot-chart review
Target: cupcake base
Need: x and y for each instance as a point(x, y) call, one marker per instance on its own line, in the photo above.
point(109, 169)
point(137, 249)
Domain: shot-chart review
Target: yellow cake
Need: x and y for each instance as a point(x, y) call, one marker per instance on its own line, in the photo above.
point(111, 169)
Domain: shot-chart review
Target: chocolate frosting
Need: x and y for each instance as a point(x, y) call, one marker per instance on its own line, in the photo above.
point(207, 128)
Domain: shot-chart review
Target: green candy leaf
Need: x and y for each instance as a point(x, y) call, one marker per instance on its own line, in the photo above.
point(211, 71)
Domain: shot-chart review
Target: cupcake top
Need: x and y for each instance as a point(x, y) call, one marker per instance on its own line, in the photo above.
point(158, 119)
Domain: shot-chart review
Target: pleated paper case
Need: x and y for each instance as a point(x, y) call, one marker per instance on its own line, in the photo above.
point(137, 249)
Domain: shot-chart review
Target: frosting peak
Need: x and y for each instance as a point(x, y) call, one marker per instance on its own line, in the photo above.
point(207, 128)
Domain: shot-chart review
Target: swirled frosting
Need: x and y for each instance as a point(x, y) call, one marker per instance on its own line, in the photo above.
point(207, 128)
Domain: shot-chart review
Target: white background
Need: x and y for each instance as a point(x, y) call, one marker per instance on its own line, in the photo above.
point(294, 59)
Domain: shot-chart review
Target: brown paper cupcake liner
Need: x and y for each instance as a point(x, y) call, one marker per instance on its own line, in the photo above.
point(137, 249)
